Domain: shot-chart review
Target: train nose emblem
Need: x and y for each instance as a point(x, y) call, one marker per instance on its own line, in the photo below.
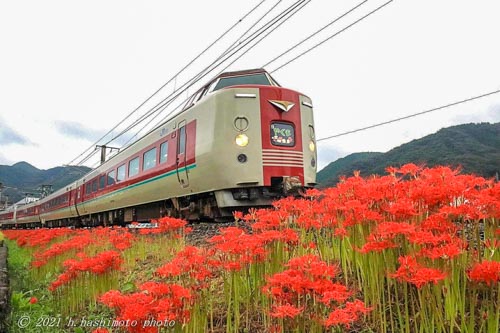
point(282, 105)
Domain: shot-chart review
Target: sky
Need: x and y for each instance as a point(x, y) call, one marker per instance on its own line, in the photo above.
point(71, 70)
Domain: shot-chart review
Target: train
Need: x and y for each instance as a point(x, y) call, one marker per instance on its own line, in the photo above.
point(241, 141)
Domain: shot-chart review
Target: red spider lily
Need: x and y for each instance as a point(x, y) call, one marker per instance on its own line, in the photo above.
point(100, 330)
point(307, 281)
point(311, 264)
point(486, 271)
point(445, 251)
point(239, 248)
point(33, 300)
point(410, 271)
point(238, 215)
point(191, 261)
point(282, 311)
point(377, 246)
point(347, 315)
point(392, 229)
point(440, 224)
point(34, 238)
point(335, 292)
point(410, 169)
point(158, 301)
point(266, 219)
point(78, 242)
point(99, 264)
point(425, 237)
point(121, 238)
point(492, 244)
point(401, 209)
point(306, 274)
point(168, 225)
point(340, 232)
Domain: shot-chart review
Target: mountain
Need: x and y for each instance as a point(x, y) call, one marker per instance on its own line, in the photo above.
point(22, 178)
point(473, 147)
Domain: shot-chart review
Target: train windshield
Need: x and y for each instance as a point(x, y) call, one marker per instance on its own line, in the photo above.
point(260, 78)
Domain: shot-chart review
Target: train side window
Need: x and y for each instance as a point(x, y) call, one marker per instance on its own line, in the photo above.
point(94, 186)
point(111, 177)
point(182, 140)
point(102, 182)
point(149, 159)
point(133, 167)
point(163, 152)
point(88, 188)
point(120, 173)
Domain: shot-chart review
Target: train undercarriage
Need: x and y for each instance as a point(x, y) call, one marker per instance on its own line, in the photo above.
point(216, 206)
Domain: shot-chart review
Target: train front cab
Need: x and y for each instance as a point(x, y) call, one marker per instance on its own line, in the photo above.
point(273, 149)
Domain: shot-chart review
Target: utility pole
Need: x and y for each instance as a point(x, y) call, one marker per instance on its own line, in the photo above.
point(46, 189)
point(1, 188)
point(26, 196)
point(103, 151)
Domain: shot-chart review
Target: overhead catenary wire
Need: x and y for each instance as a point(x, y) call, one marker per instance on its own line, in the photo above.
point(314, 34)
point(293, 11)
point(174, 77)
point(409, 116)
point(160, 107)
point(282, 17)
point(238, 44)
point(332, 36)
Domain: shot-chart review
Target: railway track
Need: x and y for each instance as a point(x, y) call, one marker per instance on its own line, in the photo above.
point(202, 231)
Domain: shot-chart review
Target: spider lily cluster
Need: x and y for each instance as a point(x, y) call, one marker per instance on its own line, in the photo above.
point(416, 250)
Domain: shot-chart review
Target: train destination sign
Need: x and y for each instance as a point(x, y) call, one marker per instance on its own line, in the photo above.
point(282, 134)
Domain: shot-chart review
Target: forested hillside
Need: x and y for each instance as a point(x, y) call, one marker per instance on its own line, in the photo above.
point(473, 147)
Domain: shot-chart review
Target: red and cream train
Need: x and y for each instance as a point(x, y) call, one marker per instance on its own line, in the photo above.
point(241, 141)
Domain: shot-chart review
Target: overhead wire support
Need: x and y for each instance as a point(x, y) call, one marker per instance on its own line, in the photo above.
point(292, 9)
point(205, 71)
point(410, 116)
point(174, 77)
point(216, 63)
point(332, 36)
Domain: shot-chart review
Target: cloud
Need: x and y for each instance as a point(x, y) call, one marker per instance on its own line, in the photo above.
point(494, 113)
point(491, 115)
point(328, 154)
point(77, 130)
point(9, 136)
point(4, 160)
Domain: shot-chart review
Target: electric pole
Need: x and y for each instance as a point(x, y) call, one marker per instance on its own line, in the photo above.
point(103, 151)
point(46, 189)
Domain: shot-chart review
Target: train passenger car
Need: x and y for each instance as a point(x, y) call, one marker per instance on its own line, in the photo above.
point(241, 141)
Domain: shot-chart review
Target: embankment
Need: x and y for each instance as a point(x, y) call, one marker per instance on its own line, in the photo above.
point(4, 287)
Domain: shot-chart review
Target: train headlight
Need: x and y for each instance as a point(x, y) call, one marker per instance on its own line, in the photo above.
point(241, 140)
point(312, 146)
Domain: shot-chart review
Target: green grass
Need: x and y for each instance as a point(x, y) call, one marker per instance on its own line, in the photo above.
point(23, 288)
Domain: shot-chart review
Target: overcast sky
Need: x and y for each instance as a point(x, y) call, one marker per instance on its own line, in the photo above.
point(70, 70)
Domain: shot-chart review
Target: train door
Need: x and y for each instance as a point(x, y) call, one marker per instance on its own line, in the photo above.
point(72, 201)
point(78, 201)
point(181, 155)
